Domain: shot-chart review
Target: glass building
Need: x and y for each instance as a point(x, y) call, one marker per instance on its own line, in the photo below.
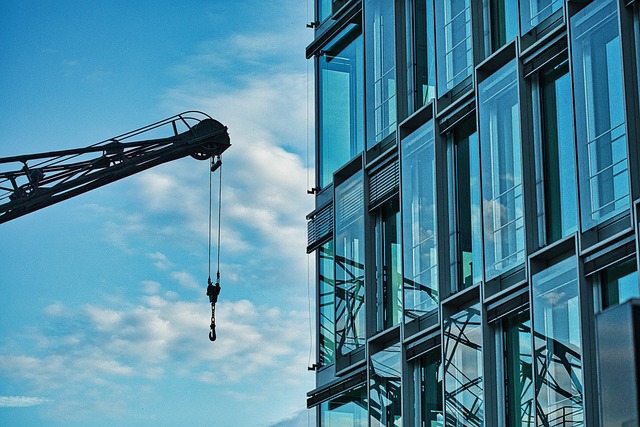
point(477, 213)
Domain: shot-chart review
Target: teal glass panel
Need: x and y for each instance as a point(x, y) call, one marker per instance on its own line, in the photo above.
point(380, 48)
point(600, 118)
point(420, 244)
point(421, 56)
point(349, 409)
point(385, 393)
point(558, 154)
point(465, 210)
point(619, 283)
point(557, 345)
point(534, 12)
point(340, 103)
point(504, 22)
point(454, 48)
point(429, 410)
point(463, 369)
point(326, 339)
point(324, 9)
point(389, 266)
point(349, 266)
point(499, 115)
point(518, 357)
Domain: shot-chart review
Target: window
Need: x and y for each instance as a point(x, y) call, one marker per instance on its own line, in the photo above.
point(340, 103)
point(619, 283)
point(421, 57)
point(385, 393)
point(503, 18)
point(388, 268)
point(600, 122)
point(463, 369)
point(349, 266)
point(324, 10)
point(534, 12)
point(499, 117)
point(518, 379)
point(428, 407)
point(558, 364)
point(380, 69)
point(347, 409)
point(453, 43)
point(556, 155)
point(326, 339)
point(420, 244)
point(465, 207)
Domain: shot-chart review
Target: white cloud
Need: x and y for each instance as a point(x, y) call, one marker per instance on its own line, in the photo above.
point(21, 401)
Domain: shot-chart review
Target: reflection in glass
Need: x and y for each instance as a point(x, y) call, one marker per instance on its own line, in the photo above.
point(421, 57)
point(556, 167)
point(348, 409)
point(388, 266)
point(419, 223)
point(557, 345)
point(518, 375)
point(380, 69)
point(453, 43)
point(326, 304)
point(619, 283)
point(600, 118)
point(463, 369)
point(349, 266)
point(501, 171)
point(385, 394)
point(504, 22)
point(533, 12)
point(429, 399)
point(465, 219)
point(340, 103)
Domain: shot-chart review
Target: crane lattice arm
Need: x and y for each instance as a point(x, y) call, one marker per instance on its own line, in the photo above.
point(47, 178)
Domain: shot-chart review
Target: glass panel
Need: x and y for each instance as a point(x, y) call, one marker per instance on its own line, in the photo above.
point(421, 55)
point(385, 394)
point(619, 283)
point(453, 43)
point(504, 22)
point(326, 305)
point(558, 364)
point(388, 268)
point(324, 9)
point(465, 208)
point(533, 12)
point(429, 394)
point(348, 409)
point(419, 223)
point(520, 410)
point(340, 103)
point(380, 69)
point(463, 369)
point(600, 122)
point(501, 171)
point(349, 266)
point(558, 155)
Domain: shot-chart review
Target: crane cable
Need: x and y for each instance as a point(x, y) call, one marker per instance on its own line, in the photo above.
point(213, 290)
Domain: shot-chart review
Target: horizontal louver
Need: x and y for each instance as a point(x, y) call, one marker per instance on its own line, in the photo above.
point(319, 227)
point(383, 184)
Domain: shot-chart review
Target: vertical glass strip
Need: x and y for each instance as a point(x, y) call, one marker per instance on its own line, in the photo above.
point(453, 43)
point(385, 393)
point(326, 283)
point(520, 408)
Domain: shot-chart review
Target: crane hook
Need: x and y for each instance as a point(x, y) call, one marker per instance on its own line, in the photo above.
point(213, 291)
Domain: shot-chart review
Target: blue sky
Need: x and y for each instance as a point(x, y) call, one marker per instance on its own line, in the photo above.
point(104, 320)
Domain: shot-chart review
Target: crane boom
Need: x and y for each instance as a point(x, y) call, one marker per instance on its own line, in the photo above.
point(48, 178)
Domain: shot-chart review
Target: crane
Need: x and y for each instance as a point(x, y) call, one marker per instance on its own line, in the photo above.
point(35, 181)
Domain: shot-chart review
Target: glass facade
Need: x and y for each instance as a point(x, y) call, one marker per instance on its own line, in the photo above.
point(380, 69)
point(454, 51)
point(340, 103)
point(600, 116)
point(476, 215)
point(385, 394)
point(349, 266)
point(502, 192)
point(557, 345)
point(420, 243)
